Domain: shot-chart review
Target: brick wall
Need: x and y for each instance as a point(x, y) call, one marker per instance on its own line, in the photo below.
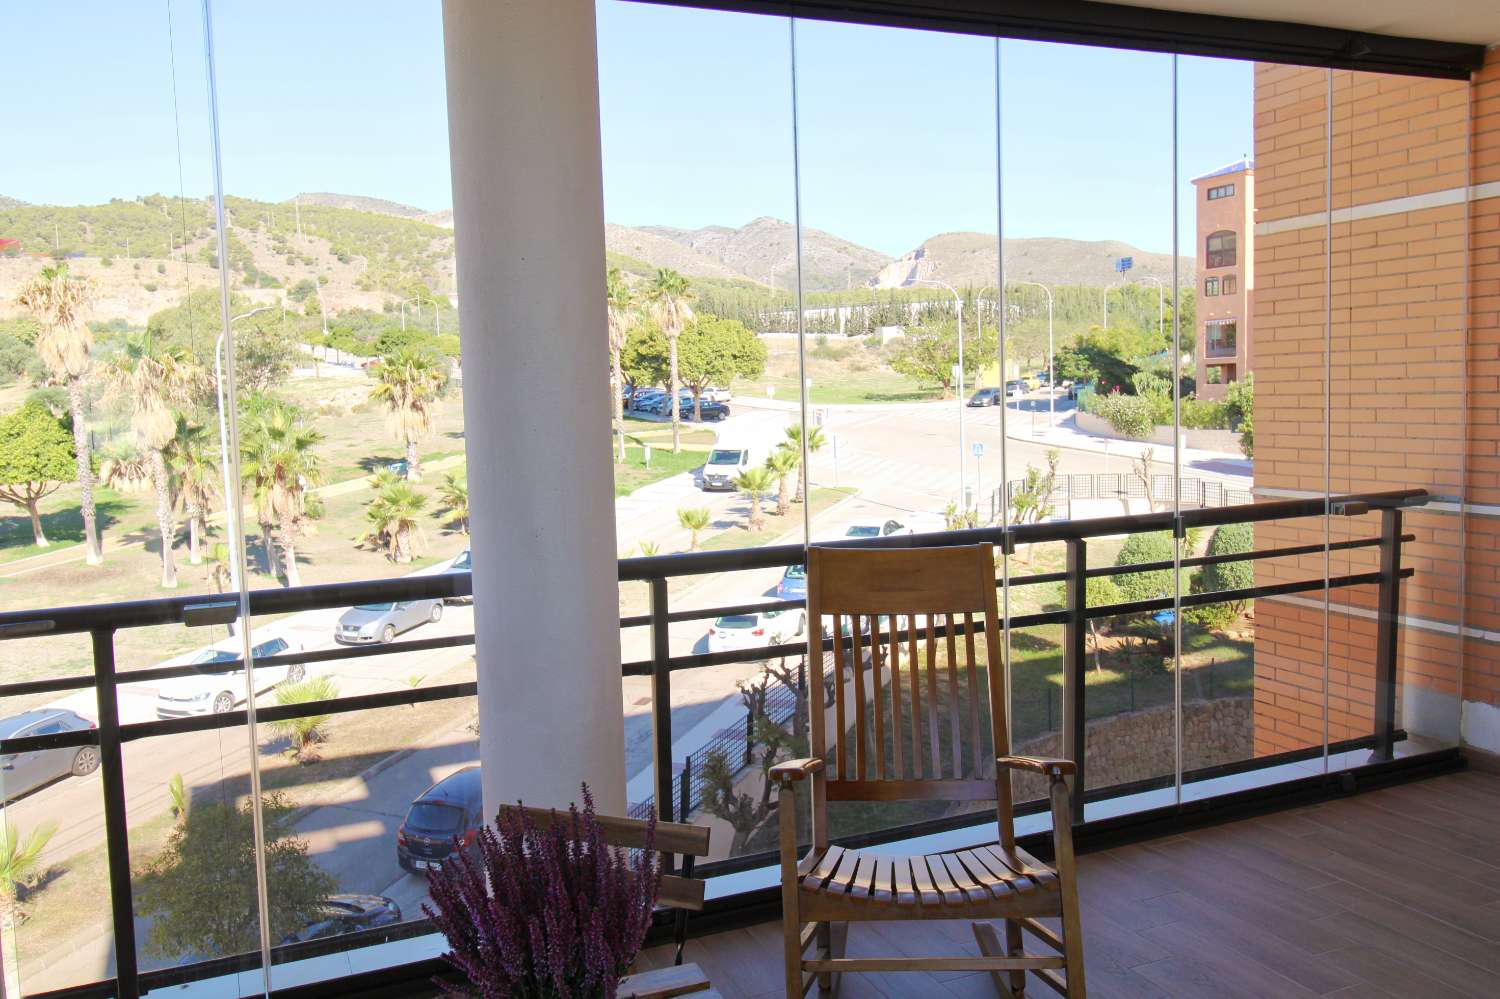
point(1371, 314)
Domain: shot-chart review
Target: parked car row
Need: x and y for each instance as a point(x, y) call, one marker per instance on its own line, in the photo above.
point(713, 405)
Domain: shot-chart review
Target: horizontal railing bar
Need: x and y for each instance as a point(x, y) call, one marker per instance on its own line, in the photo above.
point(648, 567)
point(170, 610)
point(1264, 553)
point(57, 740)
point(233, 665)
point(282, 712)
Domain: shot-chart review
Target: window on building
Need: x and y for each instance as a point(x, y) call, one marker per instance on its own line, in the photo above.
point(1222, 191)
point(1231, 284)
point(1223, 337)
point(1210, 287)
point(1221, 249)
point(1215, 374)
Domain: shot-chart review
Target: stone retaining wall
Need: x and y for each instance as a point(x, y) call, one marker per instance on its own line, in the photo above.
point(1139, 744)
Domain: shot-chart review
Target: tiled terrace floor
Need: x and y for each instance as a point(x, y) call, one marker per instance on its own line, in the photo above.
point(1391, 893)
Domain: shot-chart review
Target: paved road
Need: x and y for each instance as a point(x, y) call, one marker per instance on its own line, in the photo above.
point(902, 460)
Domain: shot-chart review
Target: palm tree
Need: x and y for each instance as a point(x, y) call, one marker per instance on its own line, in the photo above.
point(793, 443)
point(453, 497)
point(783, 464)
point(195, 467)
point(754, 483)
point(670, 296)
point(393, 516)
point(59, 303)
point(410, 383)
point(18, 861)
point(694, 520)
point(157, 380)
point(306, 731)
point(218, 567)
point(277, 459)
point(620, 304)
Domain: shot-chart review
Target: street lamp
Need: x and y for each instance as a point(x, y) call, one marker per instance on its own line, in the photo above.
point(1051, 374)
point(230, 509)
point(1161, 301)
point(414, 298)
point(963, 442)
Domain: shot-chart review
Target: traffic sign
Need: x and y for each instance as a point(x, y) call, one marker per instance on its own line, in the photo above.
point(1124, 264)
point(977, 448)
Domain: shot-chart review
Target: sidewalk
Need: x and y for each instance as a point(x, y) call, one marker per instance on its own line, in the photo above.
point(1066, 434)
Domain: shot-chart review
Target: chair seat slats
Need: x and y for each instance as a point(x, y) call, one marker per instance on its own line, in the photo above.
point(966, 878)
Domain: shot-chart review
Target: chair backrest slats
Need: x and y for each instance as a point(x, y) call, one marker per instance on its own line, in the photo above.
point(928, 721)
point(975, 738)
point(896, 740)
point(877, 671)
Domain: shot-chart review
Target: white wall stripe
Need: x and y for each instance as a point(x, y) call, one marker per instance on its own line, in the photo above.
point(1375, 209)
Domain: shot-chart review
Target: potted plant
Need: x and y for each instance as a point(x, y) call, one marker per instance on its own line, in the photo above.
point(545, 914)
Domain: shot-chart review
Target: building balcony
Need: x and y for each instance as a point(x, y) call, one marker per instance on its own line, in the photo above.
point(1103, 721)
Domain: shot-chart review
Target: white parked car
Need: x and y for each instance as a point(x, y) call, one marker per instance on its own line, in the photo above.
point(218, 686)
point(876, 529)
point(717, 395)
point(757, 630)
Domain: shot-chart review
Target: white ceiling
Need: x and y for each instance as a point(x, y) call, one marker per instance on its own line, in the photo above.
point(1471, 21)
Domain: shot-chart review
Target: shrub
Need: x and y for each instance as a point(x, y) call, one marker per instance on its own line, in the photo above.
point(150, 286)
point(1153, 547)
point(161, 268)
point(1204, 414)
point(567, 916)
point(14, 357)
point(1128, 415)
point(1231, 539)
point(1247, 436)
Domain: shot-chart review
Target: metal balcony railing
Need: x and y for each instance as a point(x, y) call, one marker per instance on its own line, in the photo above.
point(103, 621)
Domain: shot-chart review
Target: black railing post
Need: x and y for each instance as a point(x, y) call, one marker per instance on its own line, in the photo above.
point(749, 735)
point(1386, 634)
point(685, 790)
point(1074, 648)
point(661, 704)
point(116, 834)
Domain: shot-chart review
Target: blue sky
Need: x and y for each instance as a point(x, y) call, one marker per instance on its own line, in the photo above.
point(896, 128)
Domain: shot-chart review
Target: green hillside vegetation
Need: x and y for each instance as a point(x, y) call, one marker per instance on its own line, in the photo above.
point(399, 252)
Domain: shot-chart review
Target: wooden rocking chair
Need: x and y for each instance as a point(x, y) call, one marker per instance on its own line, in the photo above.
point(901, 735)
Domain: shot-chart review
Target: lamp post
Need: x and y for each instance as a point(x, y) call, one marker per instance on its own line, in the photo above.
point(1051, 374)
point(1161, 301)
point(962, 436)
point(418, 300)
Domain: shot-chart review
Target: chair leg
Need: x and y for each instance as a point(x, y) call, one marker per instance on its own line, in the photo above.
point(824, 948)
point(834, 937)
point(791, 945)
point(1015, 946)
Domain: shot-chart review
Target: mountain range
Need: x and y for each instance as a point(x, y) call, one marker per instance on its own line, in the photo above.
point(763, 251)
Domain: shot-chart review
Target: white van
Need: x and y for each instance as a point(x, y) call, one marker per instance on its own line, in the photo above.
point(729, 459)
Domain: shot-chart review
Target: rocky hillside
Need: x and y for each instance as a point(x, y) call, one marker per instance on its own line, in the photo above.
point(359, 203)
point(765, 251)
point(971, 259)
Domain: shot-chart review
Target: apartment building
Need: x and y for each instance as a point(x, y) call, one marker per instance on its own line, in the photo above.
point(1226, 275)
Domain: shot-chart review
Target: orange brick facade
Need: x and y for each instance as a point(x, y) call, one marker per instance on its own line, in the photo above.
point(1391, 316)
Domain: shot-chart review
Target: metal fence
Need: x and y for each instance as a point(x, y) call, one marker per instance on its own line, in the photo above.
point(102, 622)
point(1196, 492)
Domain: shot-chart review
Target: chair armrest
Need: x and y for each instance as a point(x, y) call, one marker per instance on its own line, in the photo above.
point(1044, 765)
point(792, 771)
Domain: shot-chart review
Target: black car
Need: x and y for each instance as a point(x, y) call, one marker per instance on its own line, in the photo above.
point(442, 820)
point(712, 411)
point(986, 397)
point(345, 914)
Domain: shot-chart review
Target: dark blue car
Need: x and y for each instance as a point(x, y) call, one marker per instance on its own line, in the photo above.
point(793, 585)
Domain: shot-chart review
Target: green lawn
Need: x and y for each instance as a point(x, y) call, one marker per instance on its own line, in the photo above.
point(881, 385)
point(823, 497)
point(635, 473)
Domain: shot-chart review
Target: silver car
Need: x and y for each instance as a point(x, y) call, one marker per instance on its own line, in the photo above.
point(22, 772)
point(369, 623)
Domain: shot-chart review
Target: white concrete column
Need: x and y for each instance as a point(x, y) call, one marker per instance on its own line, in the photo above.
point(528, 204)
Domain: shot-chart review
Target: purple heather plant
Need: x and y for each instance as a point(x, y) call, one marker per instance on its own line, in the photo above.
point(545, 914)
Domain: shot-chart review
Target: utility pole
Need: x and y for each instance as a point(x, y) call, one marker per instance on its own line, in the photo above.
point(963, 443)
point(1051, 373)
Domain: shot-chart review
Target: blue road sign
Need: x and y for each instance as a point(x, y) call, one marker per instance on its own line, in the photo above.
point(977, 448)
point(1124, 264)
